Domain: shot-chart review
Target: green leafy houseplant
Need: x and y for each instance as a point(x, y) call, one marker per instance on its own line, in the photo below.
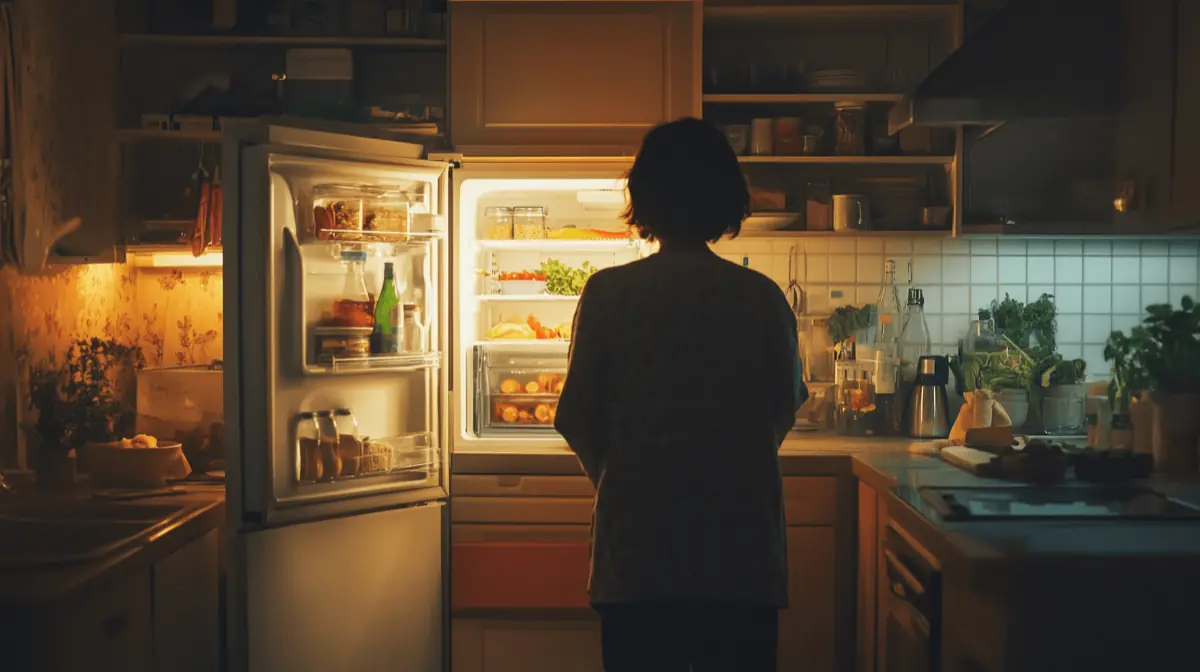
point(1162, 355)
point(846, 321)
point(77, 402)
point(1033, 327)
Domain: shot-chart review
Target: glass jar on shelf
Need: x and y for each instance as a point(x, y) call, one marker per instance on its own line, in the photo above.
point(354, 307)
point(331, 463)
point(349, 444)
point(529, 222)
point(850, 132)
point(498, 223)
point(309, 467)
point(413, 327)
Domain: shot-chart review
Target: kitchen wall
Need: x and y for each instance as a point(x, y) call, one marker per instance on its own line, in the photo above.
point(1098, 285)
point(176, 317)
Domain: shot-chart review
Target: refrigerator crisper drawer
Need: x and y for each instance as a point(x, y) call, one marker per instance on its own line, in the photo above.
point(517, 392)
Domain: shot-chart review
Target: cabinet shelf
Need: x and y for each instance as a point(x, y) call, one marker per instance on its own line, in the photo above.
point(801, 98)
point(134, 134)
point(158, 39)
point(854, 160)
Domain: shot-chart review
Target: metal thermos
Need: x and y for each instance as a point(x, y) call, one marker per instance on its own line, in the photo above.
point(927, 415)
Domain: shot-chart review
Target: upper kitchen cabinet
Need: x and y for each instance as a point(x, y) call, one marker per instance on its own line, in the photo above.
point(60, 81)
point(564, 77)
point(1185, 196)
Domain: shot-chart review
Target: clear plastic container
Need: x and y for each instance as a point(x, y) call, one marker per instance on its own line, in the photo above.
point(386, 219)
point(517, 392)
point(529, 222)
point(850, 129)
point(498, 223)
point(337, 213)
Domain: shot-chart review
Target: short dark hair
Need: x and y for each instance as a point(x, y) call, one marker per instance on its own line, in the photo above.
point(686, 183)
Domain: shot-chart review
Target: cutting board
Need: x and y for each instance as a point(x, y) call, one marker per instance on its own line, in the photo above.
point(969, 459)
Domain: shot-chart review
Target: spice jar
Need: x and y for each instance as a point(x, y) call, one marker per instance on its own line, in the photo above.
point(850, 120)
point(529, 222)
point(498, 222)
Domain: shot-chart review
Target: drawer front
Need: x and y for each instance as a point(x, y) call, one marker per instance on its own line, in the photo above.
point(542, 510)
point(505, 575)
point(810, 500)
point(505, 485)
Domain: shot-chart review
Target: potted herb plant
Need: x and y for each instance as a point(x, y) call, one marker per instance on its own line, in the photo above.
point(1162, 357)
point(1027, 335)
point(77, 404)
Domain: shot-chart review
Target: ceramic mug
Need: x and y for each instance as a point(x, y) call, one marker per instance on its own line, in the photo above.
point(851, 212)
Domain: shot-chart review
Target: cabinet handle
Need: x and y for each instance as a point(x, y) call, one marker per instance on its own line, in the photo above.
point(115, 625)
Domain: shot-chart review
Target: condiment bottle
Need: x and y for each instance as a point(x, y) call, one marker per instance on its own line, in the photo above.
point(414, 329)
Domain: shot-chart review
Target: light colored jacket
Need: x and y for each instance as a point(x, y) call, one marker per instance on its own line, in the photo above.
point(684, 380)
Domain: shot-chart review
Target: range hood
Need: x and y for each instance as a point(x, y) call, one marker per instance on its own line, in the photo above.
point(1034, 59)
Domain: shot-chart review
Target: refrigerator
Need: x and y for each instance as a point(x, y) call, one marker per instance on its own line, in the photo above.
point(339, 437)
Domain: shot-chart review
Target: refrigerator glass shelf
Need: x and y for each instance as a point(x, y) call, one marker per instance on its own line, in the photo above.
point(415, 361)
point(520, 298)
point(553, 245)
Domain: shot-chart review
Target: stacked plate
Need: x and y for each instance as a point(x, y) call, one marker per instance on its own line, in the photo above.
point(837, 80)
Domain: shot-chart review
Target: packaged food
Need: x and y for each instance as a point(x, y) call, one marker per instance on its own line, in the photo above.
point(349, 447)
point(529, 222)
point(498, 223)
point(386, 221)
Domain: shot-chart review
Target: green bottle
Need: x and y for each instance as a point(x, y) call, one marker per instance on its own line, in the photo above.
point(387, 332)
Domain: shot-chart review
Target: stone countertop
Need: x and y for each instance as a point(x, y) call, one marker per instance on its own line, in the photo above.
point(34, 586)
point(989, 550)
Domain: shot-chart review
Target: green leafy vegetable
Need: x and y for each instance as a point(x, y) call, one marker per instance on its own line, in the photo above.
point(848, 320)
point(566, 280)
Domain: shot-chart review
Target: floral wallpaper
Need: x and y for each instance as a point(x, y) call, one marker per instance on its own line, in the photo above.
point(175, 315)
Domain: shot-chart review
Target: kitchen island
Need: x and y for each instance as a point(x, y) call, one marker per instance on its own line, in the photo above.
point(1012, 595)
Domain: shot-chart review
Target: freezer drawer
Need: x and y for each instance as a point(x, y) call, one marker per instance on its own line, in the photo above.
point(519, 567)
point(517, 390)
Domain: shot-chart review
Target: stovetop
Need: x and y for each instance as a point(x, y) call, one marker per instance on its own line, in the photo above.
point(1079, 503)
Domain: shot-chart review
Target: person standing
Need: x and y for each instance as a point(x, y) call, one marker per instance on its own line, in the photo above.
point(684, 379)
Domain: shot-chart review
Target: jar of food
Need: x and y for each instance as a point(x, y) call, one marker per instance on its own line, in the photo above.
point(354, 307)
point(386, 220)
point(498, 223)
point(331, 463)
point(529, 222)
point(789, 140)
point(350, 447)
point(414, 329)
point(309, 467)
point(342, 342)
point(850, 121)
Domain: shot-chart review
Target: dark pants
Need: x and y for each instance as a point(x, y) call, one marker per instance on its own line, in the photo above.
point(668, 637)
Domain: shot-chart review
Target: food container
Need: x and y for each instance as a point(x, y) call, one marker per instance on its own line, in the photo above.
point(308, 448)
point(349, 446)
point(788, 138)
point(738, 136)
point(529, 222)
point(498, 223)
point(517, 392)
point(337, 214)
point(386, 220)
point(850, 120)
point(760, 136)
point(342, 342)
point(112, 465)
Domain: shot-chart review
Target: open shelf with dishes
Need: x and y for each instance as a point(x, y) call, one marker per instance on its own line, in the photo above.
point(802, 94)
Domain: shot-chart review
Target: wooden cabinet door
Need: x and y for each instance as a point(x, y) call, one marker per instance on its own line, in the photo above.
point(64, 128)
point(561, 77)
point(1186, 174)
point(868, 537)
point(511, 645)
point(187, 617)
point(807, 626)
point(109, 627)
point(1143, 142)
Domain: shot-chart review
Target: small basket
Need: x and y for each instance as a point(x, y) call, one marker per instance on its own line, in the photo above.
point(112, 465)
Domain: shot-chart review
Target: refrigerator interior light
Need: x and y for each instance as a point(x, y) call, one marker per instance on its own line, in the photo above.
point(173, 259)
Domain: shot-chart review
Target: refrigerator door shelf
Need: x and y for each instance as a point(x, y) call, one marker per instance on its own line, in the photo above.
point(411, 458)
point(274, 267)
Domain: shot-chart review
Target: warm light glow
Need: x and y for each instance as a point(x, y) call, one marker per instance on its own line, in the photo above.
point(178, 260)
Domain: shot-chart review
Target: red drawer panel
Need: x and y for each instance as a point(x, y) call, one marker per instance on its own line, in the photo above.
point(531, 575)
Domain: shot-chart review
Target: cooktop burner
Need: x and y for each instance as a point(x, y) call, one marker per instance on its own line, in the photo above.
point(1083, 503)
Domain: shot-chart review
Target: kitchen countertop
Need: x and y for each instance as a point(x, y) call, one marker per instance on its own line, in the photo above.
point(42, 584)
point(983, 552)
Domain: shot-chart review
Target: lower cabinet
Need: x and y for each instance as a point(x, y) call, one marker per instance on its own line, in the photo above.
point(807, 627)
point(518, 645)
point(108, 627)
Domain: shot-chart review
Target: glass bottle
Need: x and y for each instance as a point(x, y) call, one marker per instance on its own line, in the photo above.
point(387, 336)
point(414, 329)
point(353, 308)
point(914, 339)
point(887, 351)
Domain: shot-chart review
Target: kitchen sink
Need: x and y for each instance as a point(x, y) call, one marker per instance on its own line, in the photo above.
point(41, 533)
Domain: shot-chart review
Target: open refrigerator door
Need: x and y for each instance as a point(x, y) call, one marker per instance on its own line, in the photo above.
point(336, 391)
point(527, 235)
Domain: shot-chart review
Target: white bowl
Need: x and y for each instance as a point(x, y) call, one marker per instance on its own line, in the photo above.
point(769, 221)
point(522, 287)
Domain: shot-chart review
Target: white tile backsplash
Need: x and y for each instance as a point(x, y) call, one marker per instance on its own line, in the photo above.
point(1098, 286)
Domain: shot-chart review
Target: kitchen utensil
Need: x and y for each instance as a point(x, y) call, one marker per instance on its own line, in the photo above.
point(928, 415)
point(738, 136)
point(968, 459)
point(760, 136)
point(851, 213)
point(795, 295)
